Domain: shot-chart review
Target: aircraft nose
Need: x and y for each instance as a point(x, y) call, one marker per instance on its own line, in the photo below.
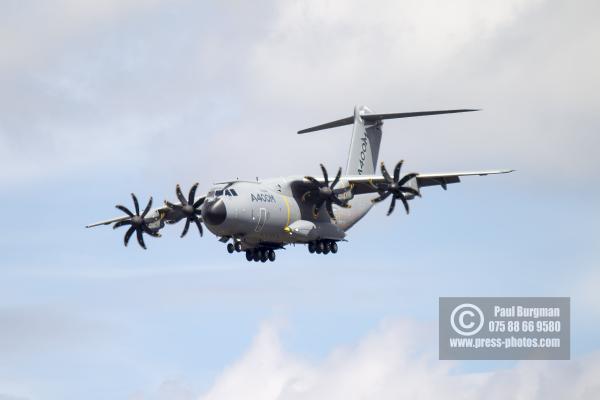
point(214, 212)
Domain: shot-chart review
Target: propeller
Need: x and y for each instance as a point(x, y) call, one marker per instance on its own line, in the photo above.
point(395, 186)
point(136, 222)
point(325, 193)
point(190, 208)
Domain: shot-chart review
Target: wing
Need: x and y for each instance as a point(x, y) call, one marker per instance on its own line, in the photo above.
point(362, 184)
point(164, 213)
point(154, 214)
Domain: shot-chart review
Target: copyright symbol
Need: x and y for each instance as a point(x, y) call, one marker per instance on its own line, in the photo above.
point(466, 319)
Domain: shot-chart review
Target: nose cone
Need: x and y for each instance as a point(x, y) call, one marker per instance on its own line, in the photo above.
point(214, 213)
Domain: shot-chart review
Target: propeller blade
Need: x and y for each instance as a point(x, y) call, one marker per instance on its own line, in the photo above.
point(312, 180)
point(121, 223)
point(401, 197)
point(199, 202)
point(147, 207)
point(128, 234)
point(180, 195)
point(337, 178)
point(317, 207)
point(410, 190)
point(329, 208)
point(325, 174)
point(385, 174)
point(199, 225)
point(392, 205)
point(124, 209)
point(381, 197)
point(407, 178)
point(136, 204)
point(397, 170)
point(140, 238)
point(340, 202)
point(192, 193)
point(172, 206)
point(186, 227)
point(150, 231)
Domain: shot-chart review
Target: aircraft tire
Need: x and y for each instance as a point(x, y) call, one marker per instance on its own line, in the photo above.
point(230, 248)
point(249, 255)
point(320, 247)
point(271, 255)
point(237, 246)
point(264, 256)
point(256, 255)
point(311, 247)
point(334, 247)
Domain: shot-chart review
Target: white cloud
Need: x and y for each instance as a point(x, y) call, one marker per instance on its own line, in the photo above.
point(393, 363)
point(90, 85)
point(530, 64)
point(32, 33)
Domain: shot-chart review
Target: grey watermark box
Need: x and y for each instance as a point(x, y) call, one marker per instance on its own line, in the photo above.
point(504, 328)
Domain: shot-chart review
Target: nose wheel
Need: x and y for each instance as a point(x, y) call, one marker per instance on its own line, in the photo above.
point(235, 246)
point(323, 247)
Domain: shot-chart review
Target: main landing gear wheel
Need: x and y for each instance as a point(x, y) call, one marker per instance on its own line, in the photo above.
point(230, 248)
point(323, 247)
point(237, 246)
point(262, 255)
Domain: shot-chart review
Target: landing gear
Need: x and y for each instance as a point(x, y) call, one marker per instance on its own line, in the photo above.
point(260, 254)
point(323, 247)
point(327, 248)
point(237, 246)
point(320, 247)
point(230, 248)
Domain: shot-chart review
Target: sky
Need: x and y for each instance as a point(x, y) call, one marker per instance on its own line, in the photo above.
point(99, 99)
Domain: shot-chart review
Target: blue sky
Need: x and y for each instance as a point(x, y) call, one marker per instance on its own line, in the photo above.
point(103, 99)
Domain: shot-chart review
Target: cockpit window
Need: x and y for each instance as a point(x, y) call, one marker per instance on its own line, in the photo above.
point(219, 193)
point(227, 192)
point(233, 192)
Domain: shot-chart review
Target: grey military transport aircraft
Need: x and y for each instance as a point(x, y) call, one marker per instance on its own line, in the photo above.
point(259, 217)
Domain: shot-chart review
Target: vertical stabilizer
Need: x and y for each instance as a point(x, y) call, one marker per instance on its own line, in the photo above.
point(364, 146)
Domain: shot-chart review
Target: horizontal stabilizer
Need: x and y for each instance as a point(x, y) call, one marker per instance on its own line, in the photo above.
point(380, 117)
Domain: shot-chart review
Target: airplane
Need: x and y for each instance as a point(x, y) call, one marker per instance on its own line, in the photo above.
point(259, 217)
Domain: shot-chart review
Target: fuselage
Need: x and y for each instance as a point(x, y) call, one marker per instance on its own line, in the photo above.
point(271, 211)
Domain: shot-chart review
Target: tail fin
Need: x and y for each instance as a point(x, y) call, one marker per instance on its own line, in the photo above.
point(364, 145)
point(366, 135)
